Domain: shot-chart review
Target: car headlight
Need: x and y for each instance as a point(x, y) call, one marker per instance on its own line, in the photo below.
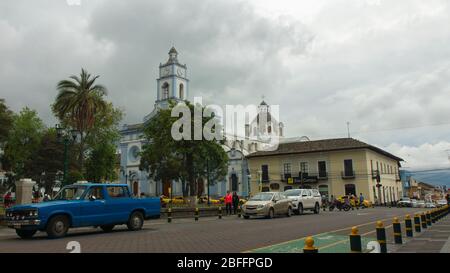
point(33, 213)
point(260, 206)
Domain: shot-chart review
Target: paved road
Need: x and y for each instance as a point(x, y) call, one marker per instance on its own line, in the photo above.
point(229, 235)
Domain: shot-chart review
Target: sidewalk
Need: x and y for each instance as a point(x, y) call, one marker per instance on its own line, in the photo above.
point(434, 239)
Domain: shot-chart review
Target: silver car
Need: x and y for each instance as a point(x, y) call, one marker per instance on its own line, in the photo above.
point(267, 204)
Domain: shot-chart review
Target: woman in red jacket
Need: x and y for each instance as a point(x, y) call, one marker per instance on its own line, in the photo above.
point(228, 202)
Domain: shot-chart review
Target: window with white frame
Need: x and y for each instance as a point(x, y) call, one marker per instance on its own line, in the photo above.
point(304, 167)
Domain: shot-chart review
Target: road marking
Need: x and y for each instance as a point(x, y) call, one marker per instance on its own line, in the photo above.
point(346, 240)
point(323, 233)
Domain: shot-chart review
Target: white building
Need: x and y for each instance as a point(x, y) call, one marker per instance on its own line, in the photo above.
point(173, 84)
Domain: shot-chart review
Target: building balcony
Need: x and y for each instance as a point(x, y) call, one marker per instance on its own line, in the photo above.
point(349, 174)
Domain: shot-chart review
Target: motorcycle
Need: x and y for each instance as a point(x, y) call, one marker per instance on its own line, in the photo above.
point(340, 206)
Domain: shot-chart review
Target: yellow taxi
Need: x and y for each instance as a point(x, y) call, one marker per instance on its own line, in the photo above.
point(204, 199)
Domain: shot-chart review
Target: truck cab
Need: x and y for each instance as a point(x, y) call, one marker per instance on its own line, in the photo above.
point(82, 205)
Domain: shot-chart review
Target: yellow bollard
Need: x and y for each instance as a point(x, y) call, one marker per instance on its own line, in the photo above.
point(309, 246)
point(355, 241)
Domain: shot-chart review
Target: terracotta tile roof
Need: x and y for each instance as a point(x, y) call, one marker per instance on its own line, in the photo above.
point(324, 145)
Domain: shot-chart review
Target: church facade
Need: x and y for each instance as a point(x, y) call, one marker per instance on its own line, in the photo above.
point(173, 84)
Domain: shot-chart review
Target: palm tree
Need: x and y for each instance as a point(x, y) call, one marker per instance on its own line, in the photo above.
point(77, 103)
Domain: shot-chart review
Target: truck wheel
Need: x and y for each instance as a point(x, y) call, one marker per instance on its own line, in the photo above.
point(57, 227)
point(316, 208)
point(246, 217)
point(107, 228)
point(136, 221)
point(300, 208)
point(25, 234)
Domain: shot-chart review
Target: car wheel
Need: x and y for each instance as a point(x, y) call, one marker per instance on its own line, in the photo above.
point(107, 228)
point(271, 213)
point(57, 227)
point(300, 208)
point(246, 217)
point(316, 208)
point(25, 234)
point(136, 221)
point(289, 212)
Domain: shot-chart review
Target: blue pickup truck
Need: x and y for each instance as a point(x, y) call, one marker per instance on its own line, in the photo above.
point(81, 205)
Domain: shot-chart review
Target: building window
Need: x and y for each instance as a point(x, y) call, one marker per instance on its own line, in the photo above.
point(181, 91)
point(322, 167)
point(165, 91)
point(265, 173)
point(304, 167)
point(348, 168)
point(287, 169)
point(269, 129)
point(350, 189)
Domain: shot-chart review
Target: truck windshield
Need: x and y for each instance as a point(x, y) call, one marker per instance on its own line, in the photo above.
point(292, 192)
point(70, 193)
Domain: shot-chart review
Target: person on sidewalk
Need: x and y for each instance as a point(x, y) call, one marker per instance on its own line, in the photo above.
point(228, 203)
point(235, 202)
point(361, 200)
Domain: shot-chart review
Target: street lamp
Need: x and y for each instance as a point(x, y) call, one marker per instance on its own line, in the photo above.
point(62, 135)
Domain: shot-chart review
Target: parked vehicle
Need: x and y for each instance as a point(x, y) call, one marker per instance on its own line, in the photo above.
point(430, 205)
point(404, 202)
point(204, 200)
point(178, 200)
point(440, 203)
point(414, 203)
point(420, 203)
point(267, 204)
point(81, 205)
point(304, 199)
point(340, 205)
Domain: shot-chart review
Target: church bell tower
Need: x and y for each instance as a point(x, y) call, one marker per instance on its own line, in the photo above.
point(173, 83)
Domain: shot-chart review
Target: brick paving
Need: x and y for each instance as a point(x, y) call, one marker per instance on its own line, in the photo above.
point(434, 239)
point(229, 235)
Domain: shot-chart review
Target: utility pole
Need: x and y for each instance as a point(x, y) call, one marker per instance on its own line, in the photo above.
point(348, 129)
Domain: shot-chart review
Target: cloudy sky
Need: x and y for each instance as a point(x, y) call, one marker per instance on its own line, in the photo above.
point(384, 66)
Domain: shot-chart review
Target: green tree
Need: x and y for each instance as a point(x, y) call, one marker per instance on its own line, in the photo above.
point(185, 160)
point(23, 141)
point(78, 102)
point(102, 143)
point(47, 161)
point(6, 121)
point(100, 166)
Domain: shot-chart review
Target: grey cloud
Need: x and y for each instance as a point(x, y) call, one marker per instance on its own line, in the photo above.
point(377, 66)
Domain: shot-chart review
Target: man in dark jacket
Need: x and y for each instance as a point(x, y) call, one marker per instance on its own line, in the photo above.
point(235, 202)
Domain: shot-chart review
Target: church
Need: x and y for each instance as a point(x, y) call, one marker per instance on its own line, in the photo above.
point(173, 84)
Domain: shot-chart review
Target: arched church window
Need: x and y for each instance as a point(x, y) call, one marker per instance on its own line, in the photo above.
point(181, 91)
point(165, 91)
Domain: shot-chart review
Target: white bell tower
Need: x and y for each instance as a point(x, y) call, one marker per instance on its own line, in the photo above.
point(173, 83)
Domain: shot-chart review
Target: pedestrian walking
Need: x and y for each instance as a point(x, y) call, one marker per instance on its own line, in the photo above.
point(235, 202)
point(228, 202)
point(7, 199)
point(361, 199)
